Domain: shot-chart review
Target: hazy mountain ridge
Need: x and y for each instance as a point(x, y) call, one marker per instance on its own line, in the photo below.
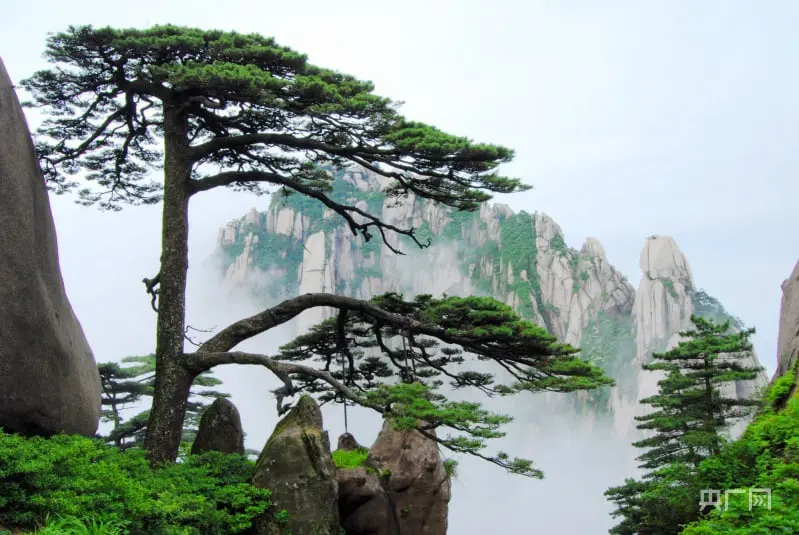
point(522, 259)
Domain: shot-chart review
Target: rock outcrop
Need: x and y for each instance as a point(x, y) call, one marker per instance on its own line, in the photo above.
point(402, 488)
point(662, 303)
point(49, 381)
point(788, 342)
point(220, 429)
point(662, 307)
point(297, 466)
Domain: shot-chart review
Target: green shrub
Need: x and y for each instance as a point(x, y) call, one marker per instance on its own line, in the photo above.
point(765, 457)
point(70, 476)
point(350, 458)
point(780, 391)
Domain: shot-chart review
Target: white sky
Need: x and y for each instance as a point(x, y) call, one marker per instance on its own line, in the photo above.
point(630, 118)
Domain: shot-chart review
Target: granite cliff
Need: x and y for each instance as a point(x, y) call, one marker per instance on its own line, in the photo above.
point(299, 246)
point(49, 382)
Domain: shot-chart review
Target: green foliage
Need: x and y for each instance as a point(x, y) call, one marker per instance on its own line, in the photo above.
point(692, 410)
point(458, 223)
point(282, 517)
point(131, 381)
point(108, 88)
point(551, 309)
point(350, 458)
point(412, 403)
point(689, 415)
point(517, 249)
point(70, 476)
point(765, 457)
point(781, 390)
point(451, 467)
point(559, 245)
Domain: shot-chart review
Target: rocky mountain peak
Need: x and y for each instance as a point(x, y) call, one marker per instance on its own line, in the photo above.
point(661, 258)
point(519, 258)
point(592, 247)
point(663, 304)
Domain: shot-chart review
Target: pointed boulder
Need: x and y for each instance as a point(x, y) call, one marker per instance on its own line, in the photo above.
point(297, 466)
point(49, 381)
point(220, 429)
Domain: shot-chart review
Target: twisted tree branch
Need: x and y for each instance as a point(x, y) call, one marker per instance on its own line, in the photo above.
point(151, 285)
point(200, 362)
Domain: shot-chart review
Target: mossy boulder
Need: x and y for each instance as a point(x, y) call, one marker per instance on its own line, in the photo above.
point(297, 466)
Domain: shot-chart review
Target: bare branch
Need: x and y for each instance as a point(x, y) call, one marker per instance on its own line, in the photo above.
point(191, 340)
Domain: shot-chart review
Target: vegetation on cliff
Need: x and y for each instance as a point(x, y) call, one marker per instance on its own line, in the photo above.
point(765, 461)
point(686, 427)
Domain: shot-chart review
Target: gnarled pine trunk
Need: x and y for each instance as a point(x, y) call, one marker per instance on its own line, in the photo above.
point(172, 380)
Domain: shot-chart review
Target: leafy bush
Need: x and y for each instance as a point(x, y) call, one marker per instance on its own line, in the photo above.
point(70, 476)
point(765, 457)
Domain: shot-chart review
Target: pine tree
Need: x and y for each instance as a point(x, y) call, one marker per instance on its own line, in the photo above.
point(124, 386)
point(688, 424)
point(164, 114)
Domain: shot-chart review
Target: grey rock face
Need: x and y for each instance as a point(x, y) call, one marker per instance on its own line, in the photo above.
point(297, 466)
point(49, 381)
point(788, 343)
point(220, 429)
